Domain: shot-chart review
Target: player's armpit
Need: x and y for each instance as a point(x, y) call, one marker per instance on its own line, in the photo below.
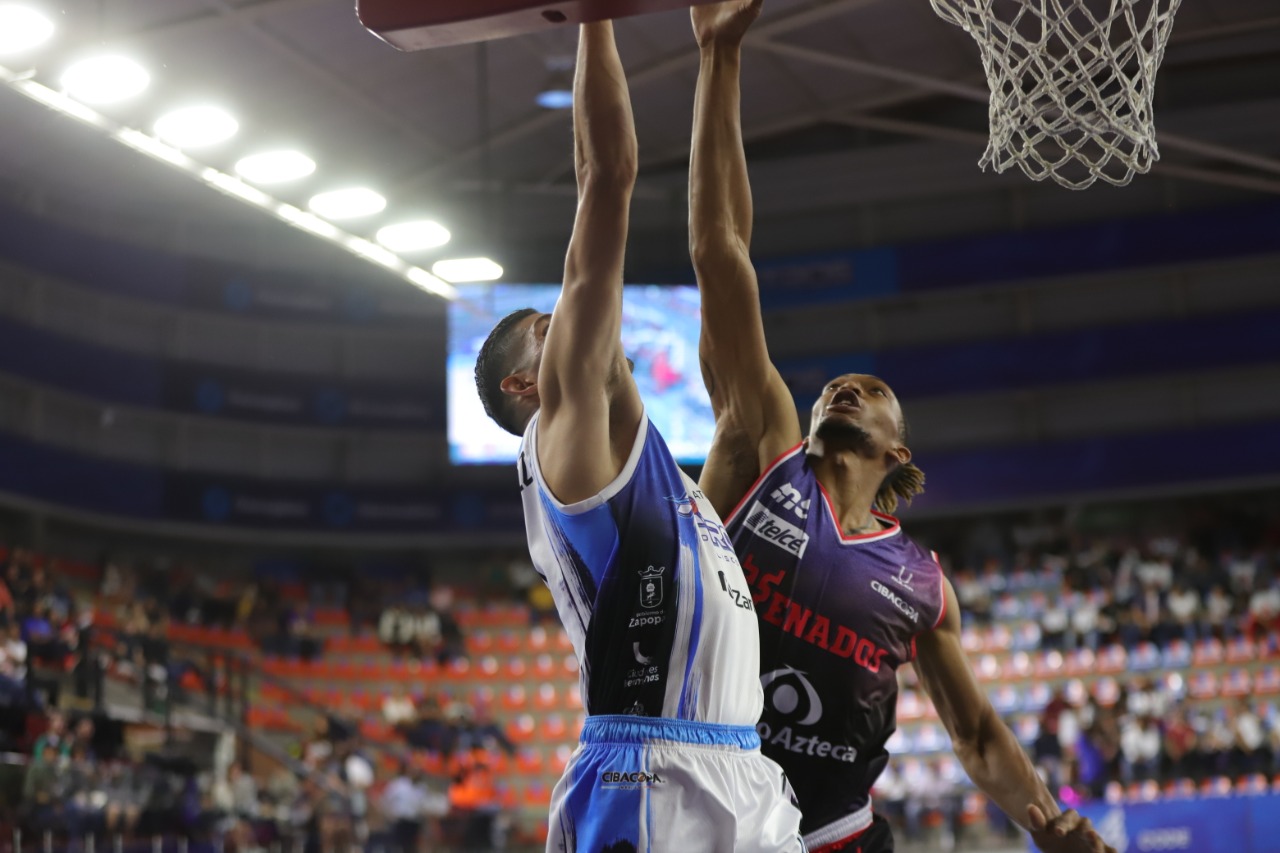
point(731, 468)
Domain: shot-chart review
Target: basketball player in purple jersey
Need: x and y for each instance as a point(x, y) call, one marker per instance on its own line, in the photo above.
point(843, 597)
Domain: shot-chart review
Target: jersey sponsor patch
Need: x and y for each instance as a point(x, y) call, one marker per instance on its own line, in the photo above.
point(891, 596)
point(764, 523)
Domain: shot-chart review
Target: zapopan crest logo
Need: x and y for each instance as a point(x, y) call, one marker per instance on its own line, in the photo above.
point(785, 699)
point(651, 587)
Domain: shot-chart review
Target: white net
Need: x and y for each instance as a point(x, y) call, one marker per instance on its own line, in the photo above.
point(1071, 83)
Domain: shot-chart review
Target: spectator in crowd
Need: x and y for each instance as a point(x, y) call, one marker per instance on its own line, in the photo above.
point(406, 803)
point(399, 710)
point(45, 788)
point(1217, 610)
point(13, 666)
point(1264, 610)
point(1249, 752)
point(1184, 611)
point(8, 609)
point(1140, 748)
point(54, 735)
point(1054, 622)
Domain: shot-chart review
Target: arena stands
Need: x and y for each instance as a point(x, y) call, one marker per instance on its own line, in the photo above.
point(1135, 659)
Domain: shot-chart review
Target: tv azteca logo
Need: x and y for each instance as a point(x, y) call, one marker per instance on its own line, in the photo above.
point(784, 689)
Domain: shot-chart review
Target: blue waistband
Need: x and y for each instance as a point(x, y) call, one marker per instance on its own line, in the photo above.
point(643, 730)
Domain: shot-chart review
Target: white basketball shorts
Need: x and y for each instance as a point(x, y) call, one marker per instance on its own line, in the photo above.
point(656, 785)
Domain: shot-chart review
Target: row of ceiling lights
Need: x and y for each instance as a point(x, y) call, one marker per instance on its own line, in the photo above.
point(109, 79)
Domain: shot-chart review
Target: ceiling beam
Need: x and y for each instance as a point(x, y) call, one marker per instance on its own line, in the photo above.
point(217, 19)
point(248, 22)
point(685, 58)
point(950, 134)
point(981, 94)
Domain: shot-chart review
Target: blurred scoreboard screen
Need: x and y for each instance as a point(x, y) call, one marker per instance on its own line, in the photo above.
point(659, 332)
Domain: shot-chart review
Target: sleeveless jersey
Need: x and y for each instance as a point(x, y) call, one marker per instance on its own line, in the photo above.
point(838, 615)
point(649, 589)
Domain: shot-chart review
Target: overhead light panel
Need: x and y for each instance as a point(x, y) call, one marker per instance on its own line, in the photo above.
point(22, 28)
point(351, 203)
point(430, 283)
point(275, 167)
point(466, 270)
point(418, 236)
point(196, 127)
point(557, 92)
point(105, 79)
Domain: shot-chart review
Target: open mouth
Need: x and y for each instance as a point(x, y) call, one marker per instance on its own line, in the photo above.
point(844, 401)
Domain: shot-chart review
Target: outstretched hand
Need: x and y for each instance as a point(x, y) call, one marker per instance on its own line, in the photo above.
point(1066, 833)
point(724, 23)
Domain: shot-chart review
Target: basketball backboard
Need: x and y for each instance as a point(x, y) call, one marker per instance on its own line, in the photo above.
point(420, 24)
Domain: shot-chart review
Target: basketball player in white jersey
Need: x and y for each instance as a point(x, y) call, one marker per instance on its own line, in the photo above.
point(844, 597)
point(643, 576)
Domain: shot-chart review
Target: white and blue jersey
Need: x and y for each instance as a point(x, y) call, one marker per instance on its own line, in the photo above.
point(653, 597)
point(649, 589)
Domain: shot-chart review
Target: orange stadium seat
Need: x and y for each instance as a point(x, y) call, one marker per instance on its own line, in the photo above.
point(537, 641)
point(529, 761)
point(554, 728)
point(987, 668)
point(521, 729)
point(1018, 666)
point(546, 697)
point(1266, 681)
point(1113, 659)
point(560, 758)
point(1237, 683)
point(1203, 685)
point(515, 698)
point(480, 642)
point(1208, 653)
point(537, 795)
point(509, 642)
point(487, 668)
point(1241, 650)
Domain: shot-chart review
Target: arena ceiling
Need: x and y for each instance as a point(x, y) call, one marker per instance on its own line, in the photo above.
point(864, 119)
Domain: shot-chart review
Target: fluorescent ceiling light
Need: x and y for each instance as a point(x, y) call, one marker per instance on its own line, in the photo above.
point(375, 253)
point(275, 167)
point(196, 127)
point(105, 79)
point(555, 99)
point(557, 92)
point(461, 270)
point(414, 236)
point(22, 28)
point(351, 203)
point(428, 282)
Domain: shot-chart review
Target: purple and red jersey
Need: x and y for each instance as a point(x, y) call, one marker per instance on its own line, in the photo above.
point(838, 615)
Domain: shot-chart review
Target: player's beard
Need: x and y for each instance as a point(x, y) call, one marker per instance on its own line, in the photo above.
point(842, 433)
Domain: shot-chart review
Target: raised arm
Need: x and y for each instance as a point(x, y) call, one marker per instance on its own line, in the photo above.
point(756, 416)
point(990, 753)
point(590, 408)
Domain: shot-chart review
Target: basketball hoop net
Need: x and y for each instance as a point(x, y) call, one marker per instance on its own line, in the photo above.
point(1071, 83)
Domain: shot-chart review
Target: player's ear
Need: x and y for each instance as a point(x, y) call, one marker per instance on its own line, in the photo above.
point(901, 454)
point(521, 384)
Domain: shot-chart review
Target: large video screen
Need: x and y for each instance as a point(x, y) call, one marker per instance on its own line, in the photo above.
point(659, 332)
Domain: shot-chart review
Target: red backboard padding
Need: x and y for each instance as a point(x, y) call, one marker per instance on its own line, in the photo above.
point(419, 24)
